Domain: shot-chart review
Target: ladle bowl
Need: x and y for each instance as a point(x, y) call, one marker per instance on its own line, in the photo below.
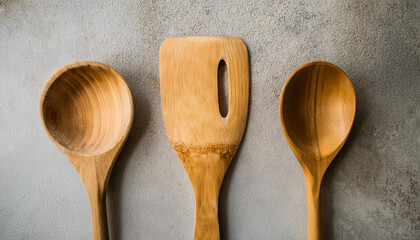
point(317, 110)
point(87, 111)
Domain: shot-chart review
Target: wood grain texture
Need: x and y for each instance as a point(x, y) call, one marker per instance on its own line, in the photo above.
point(317, 109)
point(204, 141)
point(87, 111)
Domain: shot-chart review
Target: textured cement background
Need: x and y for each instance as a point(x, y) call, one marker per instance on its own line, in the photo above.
point(371, 191)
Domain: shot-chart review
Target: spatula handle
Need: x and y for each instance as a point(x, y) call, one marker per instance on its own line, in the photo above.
point(206, 170)
point(206, 230)
point(206, 201)
point(313, 187)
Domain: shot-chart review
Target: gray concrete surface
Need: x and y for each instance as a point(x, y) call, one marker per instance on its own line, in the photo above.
point(371, 191)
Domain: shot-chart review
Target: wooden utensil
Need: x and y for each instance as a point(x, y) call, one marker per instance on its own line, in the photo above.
point(317, 109)
point(204, 141)
point(87, 111)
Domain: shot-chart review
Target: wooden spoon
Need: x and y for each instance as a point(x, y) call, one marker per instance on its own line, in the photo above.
point(87, 111)
point(204, 141)
point(317, 109)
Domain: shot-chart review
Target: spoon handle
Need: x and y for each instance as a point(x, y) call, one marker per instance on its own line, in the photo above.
point(99, 219)
point(94, 172)
point(313, 187)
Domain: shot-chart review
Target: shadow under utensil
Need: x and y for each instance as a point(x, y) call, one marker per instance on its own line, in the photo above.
point(226, 184)
point(115, 207)
point(327, 189)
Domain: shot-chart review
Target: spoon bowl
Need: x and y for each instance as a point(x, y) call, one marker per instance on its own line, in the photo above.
point(317, 110)
point(87, 111)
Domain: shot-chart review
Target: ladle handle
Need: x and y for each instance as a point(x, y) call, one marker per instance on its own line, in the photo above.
point(313, 189)
point(99, 219)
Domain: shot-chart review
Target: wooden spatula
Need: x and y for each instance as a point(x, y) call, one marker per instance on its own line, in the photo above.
point(204, 140)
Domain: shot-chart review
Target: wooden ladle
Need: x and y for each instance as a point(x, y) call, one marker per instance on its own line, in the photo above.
point(87, 111)
point(204, 140)
point(317, 109)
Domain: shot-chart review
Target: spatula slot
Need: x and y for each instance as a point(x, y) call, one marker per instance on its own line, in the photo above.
point(223, 88)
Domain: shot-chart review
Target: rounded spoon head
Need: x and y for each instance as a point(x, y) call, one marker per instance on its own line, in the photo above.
point(317, 110)
point(87, 111)
point(87, 108)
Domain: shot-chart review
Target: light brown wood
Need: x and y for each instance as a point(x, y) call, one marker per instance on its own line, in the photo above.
point(204, 141)
point(87, 111)
point(317, 109)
